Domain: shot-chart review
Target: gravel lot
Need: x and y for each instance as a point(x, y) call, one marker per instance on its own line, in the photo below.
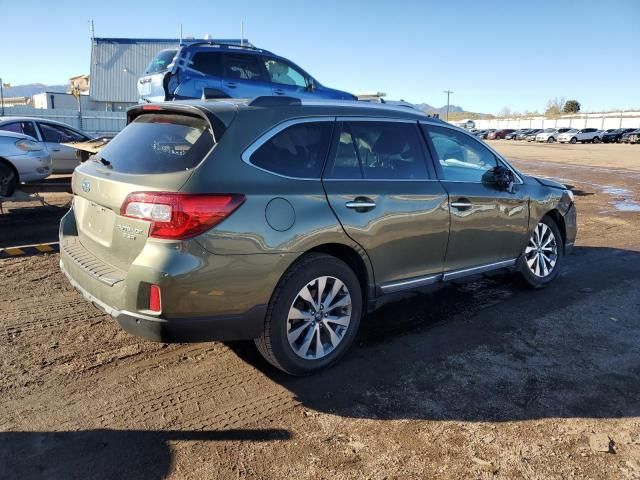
point(482, 379)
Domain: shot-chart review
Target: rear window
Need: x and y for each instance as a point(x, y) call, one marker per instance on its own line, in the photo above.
point(159, 143)
point(161, 61)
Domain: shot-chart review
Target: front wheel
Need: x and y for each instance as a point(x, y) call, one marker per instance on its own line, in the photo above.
point(540, 262)
point(551, 140)
point(573, 140)
point(313, 315)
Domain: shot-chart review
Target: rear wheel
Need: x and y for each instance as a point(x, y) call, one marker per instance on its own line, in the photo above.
point(540, 262)
point(313, 315)
point(8, 181)
point(596, 139)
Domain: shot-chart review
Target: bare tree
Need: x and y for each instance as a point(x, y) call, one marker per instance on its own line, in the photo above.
point(505, 112)
point(554, 107)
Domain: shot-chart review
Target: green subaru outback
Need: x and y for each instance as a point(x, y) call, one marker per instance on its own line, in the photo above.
point(284, 221)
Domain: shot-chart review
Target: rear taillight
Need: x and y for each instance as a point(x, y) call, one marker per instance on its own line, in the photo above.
point(155, 303)
point(177, 216)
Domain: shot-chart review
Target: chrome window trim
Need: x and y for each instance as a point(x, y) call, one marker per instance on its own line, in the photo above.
point(272, 132)
point(425, 280)
point(371, 118)
point(499, 157)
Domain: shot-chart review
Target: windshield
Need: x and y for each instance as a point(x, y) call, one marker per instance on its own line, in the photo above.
point(161, 61)
point(549, 130)
point(158, 143)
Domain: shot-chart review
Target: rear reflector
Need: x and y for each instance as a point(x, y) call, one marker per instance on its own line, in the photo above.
point(178, 216)
point(155, 303)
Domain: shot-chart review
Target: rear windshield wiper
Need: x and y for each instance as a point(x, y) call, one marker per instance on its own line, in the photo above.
point(102, 160)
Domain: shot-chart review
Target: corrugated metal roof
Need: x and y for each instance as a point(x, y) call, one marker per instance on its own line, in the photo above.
point(117, 63)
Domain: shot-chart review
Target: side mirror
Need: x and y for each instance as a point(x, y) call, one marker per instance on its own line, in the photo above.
point(501, 177)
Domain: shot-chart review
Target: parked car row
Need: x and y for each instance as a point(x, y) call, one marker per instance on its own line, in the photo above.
point(562, 135)
point(31, 149)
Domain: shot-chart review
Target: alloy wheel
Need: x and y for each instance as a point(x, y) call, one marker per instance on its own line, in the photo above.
point(541, 253)
point(319, 318)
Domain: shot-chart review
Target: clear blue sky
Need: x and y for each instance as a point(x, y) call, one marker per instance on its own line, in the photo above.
point(490, 53)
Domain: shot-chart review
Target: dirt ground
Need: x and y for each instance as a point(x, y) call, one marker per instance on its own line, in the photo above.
point(481, 379)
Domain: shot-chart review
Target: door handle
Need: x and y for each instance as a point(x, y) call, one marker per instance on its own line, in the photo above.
point(232, 84)
point(278, 91)
point(361, 204)
point(55, 149)
point(461, 204)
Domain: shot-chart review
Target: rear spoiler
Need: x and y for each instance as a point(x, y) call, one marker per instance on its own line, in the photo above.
point(217, 123)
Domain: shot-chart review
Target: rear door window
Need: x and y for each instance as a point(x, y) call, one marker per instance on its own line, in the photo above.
point(159, 143)
point(26, 128)
point(242, 67)
point(379, 150)
point(297, 151)
point(208, 62)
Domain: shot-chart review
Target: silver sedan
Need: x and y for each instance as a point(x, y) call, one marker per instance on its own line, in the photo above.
point(22, 159)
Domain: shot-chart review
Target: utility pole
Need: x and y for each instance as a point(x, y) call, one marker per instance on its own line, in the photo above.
point(2, 97)
point(448, 92)
point(242, 33)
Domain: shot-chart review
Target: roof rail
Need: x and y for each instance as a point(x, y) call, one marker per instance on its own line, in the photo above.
point(227, 42)
point(274, 101)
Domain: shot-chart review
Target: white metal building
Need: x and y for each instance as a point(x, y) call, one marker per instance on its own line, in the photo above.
point(116, 65)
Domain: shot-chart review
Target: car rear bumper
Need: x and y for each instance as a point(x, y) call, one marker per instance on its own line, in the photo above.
point(204, 296)
point(246, 326)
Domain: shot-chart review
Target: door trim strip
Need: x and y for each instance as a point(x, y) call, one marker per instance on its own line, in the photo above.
point(416, 282)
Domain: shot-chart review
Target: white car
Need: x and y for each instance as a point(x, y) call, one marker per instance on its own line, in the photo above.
point(22, 159)
point(53, 135)
point(584, 135)
point(550, 135)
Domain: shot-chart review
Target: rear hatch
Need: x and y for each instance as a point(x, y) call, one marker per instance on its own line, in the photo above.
point(152, 86)
point(157, 152)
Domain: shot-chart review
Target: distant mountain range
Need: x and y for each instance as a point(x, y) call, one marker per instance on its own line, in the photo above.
point(425, 107)
point(32, 89)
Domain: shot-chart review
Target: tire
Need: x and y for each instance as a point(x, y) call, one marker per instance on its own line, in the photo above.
point(532, 265)
point(8, 181)
point(573, 140)
point(551, 140)
point(303, 279)
point(596, 140)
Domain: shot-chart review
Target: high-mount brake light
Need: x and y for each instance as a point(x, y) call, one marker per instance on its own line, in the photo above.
point(151, 107)
point(178, 216)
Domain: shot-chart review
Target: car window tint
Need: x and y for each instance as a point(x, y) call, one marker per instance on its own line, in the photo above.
point(385, 150)
point(461, 157)
point(208, 62)
point(53, 134)
point(346, 164)
point(161, 61)
point(29, 129)
point(297, 151)
point(283, 73)
point(11, 127)
point(242, 67)
point(159, 143)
